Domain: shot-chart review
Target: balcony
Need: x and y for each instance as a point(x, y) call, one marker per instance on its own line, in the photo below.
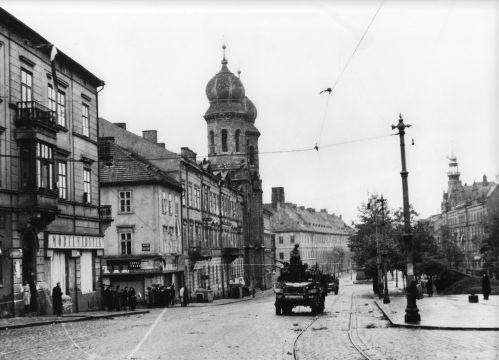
point(105, 213)
point(199, 252)
point(32, 114)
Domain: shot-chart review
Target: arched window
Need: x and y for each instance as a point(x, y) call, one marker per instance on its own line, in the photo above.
point(212, 142)
point(252, 155)
point(236, 138)
point(224, 141)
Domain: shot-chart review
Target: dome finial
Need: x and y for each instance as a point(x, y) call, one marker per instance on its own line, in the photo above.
point(224, 61)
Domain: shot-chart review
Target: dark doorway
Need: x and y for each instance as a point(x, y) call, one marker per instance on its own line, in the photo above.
point(29, 242)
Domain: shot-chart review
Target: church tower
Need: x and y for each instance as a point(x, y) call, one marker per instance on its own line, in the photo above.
point(455, 192)
point(233, 152)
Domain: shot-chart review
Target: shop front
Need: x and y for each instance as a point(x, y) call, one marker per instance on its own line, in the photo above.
point(73, 260)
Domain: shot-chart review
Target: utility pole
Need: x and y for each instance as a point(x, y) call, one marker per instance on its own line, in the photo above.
point(386, 297)
point(411, 311)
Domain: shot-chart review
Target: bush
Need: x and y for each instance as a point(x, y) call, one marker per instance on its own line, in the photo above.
point(446, 278)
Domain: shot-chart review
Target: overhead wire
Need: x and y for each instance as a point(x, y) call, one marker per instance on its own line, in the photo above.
point(346, 66)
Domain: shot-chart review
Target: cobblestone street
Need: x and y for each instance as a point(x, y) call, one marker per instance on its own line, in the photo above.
point(249, 330)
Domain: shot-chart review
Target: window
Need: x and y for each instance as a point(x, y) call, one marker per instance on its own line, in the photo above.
point(212, 142)
point(252, 155)
point(52, 99)
point(87, 194)
point(189, 195)
point(292, 239)
point(61, 108)
point(26, 86)
point(281, 240)
point(170, 204)
point(183, 193)
point(236, 138)
point(85, 120)
point(125, 201)
point(62, 181)
point(44, 166)
point(163, 202)
point(224, 141)
point(281, 256)
point(176, 206)
point(197, 199)
point(1, 265)
point(126, 243)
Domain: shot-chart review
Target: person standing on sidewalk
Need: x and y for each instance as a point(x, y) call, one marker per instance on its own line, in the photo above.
point(429, 286)
point(57, 299)
point(485, 286)
point(26, 297)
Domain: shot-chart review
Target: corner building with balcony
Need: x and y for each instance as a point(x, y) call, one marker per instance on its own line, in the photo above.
point(233, 151)
point(50, 225)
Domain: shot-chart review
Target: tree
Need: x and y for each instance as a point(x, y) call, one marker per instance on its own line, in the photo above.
point(489, 247)
point(451, 252)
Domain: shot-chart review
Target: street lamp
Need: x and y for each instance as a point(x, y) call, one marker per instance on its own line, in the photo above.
point(411, 311)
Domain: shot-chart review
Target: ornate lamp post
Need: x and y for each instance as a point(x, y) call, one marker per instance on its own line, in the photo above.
point(411, 311)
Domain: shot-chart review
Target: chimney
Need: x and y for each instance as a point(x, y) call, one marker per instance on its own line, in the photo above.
point(121, 125)
point(341, 218)
point(150, 135)
point(324, 211)
point(485, 180)
point(277, 198)
point(188, 154)
point(163, 145)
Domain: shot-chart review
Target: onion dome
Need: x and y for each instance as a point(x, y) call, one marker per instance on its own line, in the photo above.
point(224, 86)
point(249, 109)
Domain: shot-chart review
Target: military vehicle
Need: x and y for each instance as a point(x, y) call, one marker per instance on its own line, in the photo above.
point(300, 286)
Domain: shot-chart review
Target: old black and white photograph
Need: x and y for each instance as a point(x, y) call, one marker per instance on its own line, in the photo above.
point(290, 180)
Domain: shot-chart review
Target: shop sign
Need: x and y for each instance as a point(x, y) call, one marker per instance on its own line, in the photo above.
point(15, 253)
point(146, 247)
point(63, 241)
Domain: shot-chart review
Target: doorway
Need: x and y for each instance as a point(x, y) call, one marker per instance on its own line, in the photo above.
point(29, 242)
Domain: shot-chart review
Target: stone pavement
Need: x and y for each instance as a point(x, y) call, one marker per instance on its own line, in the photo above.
point(446, 312)
point(29, 321)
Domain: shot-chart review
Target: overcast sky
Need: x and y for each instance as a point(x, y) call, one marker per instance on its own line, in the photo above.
point(435, 62)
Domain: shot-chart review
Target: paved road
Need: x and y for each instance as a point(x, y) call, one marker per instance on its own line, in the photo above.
point(248, 330)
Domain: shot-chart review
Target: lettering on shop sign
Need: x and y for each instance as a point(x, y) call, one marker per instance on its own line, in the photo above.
point(146, 247)
point(62, 241)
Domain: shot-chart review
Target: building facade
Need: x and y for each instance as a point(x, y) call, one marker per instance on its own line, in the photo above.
point(143, 245)
point(233, 151)
point(211, 210)
point(269, 249)
point(50, 223)
point(466, 212)
point(322, 237)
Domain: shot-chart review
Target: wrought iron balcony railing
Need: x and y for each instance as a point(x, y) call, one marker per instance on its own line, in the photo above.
point(32, 111)
point(105, 212)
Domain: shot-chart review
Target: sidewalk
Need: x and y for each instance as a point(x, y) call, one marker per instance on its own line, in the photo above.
point(450, 312)
point(29, 321)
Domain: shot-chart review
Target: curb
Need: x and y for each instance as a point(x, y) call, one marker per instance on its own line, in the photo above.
point(429, 327)
point(71, 319)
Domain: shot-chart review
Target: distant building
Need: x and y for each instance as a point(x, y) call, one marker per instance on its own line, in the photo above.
point(211, 210)
point(322, 237)
point(466, 213)
point(50, 225)
point(143, 245)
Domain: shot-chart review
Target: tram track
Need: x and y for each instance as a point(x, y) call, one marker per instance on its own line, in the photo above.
point(352, 328)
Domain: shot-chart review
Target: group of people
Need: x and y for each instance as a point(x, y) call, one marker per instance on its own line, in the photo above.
point(160, 295)
point(119, 299)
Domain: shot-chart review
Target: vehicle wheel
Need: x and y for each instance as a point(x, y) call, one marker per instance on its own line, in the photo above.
point(278, 310)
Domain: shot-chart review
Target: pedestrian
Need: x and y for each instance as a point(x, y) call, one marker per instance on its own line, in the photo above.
point(148, 296)
point(485, 286)
point(429, 286)
point(124, 298)
point(57, 299)
point(117, 298)
point(184, 296)
point(131, 298)
point(172, 294)
point(26, 297)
